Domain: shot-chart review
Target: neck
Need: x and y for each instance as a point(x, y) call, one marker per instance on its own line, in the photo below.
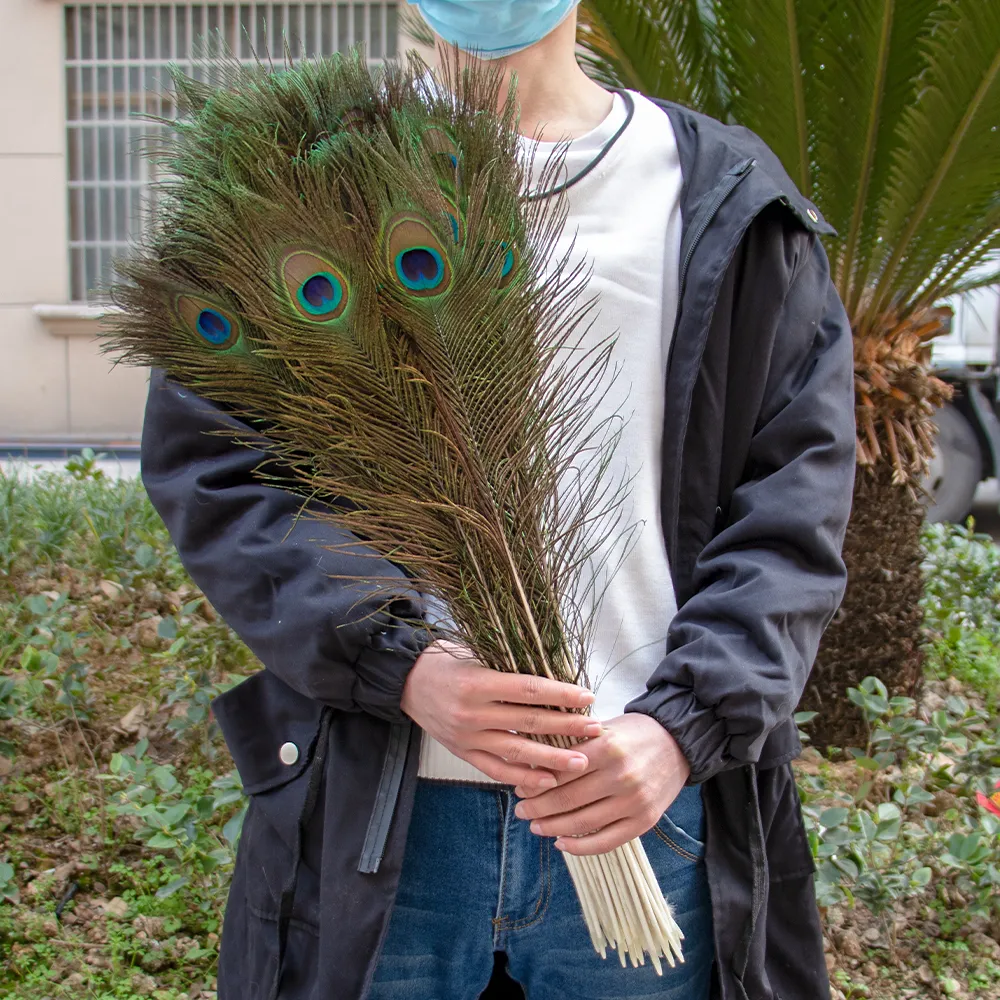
point(556, 99)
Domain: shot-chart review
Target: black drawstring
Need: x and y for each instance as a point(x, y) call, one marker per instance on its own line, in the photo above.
point(288, 892)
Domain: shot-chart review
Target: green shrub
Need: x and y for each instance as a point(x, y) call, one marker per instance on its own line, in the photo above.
point(897, 832)
point(962, 606)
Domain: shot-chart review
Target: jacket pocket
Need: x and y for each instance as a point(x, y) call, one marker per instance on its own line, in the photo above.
point(271, 731)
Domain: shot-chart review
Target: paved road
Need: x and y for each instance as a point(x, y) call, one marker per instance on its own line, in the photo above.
point(116, 468)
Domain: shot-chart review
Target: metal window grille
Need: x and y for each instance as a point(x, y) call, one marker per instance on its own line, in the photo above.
point(116, 70)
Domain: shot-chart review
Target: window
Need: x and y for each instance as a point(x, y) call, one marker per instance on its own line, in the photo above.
point(116, 70)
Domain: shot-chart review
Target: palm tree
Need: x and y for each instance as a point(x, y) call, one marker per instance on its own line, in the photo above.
point(887, 114)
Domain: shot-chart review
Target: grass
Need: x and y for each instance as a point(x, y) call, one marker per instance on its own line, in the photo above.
point(120, 809)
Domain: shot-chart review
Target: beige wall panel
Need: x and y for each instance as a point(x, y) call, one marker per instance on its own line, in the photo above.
point(31, 92)
point(103, 402)
point(32, 376)
point(33, 236)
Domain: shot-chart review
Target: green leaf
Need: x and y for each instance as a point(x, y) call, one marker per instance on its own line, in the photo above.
point(868, 827)
point(162, 842)
point(171, 887)
point(37, 605)
point(802, 718)
point(833, 817)
point(848, 867)
point(231, 831)
point(167, 628)
point(921, 876)
point(888, 811)
point(174, 814)
point(145, 556)
point(165, 779)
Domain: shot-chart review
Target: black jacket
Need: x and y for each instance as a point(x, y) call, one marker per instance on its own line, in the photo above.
point(758, 465)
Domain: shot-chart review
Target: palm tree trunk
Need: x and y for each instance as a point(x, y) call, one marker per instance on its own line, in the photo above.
point(878, 628)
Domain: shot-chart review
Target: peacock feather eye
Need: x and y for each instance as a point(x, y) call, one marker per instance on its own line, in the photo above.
point(416, 257)
point(214, 325)
point(444, 153)
point(316, 288)
point(453, 221)
point(353, 120)
point(509, 264)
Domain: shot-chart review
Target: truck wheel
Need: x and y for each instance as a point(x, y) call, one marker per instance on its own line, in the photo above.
point(955, 470)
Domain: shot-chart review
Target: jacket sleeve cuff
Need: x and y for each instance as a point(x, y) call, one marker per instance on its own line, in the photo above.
point(699, 732)
point(383, 664)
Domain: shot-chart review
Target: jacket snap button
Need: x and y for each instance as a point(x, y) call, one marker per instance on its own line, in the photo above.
point(289, 753)
point(813, 214)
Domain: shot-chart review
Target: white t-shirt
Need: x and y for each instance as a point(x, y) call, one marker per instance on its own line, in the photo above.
point(625, 219)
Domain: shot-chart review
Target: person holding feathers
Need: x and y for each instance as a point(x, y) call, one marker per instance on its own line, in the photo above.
point(405, 826)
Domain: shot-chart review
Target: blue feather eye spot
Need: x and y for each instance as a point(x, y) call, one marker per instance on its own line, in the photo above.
point(444, 155)
point(454, 225)
point(509, 263)
point(416, 257)
point(321, 293)
point(316, 289)
point(213, 325)
point(419, 268)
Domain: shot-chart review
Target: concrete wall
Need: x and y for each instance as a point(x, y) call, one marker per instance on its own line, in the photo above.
point(54, 384)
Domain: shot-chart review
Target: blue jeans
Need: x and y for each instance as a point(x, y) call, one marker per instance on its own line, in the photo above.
point(475, 880)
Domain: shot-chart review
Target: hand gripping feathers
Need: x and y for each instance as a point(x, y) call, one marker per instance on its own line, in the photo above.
point(346, 259)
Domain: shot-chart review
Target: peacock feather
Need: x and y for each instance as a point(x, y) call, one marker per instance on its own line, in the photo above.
point(347, 256)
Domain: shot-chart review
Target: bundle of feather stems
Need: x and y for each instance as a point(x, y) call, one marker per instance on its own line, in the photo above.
point(345, 259)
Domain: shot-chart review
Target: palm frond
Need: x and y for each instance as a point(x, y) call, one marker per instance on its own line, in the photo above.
point(661, 48)
point(761, 55)
point(946, 173)
point(863, 69)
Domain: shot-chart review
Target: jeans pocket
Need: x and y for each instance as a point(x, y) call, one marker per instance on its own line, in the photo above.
point(682, 826)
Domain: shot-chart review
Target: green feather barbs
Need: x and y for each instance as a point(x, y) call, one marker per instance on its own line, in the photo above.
point(316, 288)
point(214, 325)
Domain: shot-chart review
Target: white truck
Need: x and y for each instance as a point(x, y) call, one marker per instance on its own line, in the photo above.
point(968, 442)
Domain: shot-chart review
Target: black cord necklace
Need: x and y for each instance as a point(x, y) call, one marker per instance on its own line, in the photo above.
point(605, 149)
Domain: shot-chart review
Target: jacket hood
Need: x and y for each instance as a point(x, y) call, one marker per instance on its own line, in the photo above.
point(709, 149)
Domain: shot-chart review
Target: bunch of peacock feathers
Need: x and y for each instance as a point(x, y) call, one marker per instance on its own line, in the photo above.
point(345, 258)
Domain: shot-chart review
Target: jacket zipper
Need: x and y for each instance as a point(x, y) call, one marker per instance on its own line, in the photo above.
point(708, 213)
point(699, 226)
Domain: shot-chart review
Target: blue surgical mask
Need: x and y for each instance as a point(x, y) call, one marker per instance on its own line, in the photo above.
point(493, 28)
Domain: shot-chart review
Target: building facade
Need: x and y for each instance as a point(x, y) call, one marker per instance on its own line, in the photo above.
point(75, 81)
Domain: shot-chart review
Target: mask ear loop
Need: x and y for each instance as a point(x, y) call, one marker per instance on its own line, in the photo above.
point(629, 113)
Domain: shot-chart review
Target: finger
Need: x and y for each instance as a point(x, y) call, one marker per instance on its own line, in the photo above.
point(506, 773)
point(590, 819)
point(541, 721)
point(518, 750)
point(526, 689)
point(565, 797)
point(603, 841)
